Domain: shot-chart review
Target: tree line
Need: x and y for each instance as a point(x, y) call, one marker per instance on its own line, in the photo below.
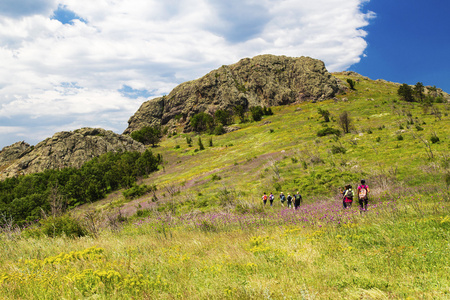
point(27, 198)
point(417, 93)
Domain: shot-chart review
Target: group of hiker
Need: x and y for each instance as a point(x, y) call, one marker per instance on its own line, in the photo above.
point(347, 200)
point(292, 201)
point(362, 193)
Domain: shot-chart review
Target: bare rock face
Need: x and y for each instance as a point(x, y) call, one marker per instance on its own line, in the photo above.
point(264, 80)
point(64, 149)
point(13, 152)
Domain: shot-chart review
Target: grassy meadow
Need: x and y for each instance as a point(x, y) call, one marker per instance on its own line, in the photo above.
point(204, 233)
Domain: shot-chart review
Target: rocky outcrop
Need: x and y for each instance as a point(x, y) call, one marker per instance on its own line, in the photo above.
point(265, 80)
point(64, 149)
point(11, 153)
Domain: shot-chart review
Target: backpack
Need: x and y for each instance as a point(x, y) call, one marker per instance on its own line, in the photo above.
point(349, 194)
point(265, 197)
point(362, 192)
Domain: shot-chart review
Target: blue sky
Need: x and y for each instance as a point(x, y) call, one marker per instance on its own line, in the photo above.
point(408, 42)
point(68, 64)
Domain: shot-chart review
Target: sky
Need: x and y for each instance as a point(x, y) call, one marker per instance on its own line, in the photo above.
point(68, 64)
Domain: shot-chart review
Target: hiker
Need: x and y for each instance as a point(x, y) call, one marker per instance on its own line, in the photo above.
point(363, 195)
point(271, 197)
point(264, 198)
point(298, 200)
point(282, 198)
point(348, 196)
point(289, 200)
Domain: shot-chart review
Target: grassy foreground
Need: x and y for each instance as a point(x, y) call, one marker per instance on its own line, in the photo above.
point(398, 249)
point(205, 235)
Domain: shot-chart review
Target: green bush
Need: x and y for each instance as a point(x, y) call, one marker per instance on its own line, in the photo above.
point(328, 131)
point(434, 139)
point(338, 149)
point(137, 191)
point(63, 225)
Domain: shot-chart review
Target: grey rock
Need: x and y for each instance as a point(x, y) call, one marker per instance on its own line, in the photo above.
point(63, 149)
point(265, 80)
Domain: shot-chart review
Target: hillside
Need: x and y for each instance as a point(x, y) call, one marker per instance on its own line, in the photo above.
point(389, 145)
point(204, 233)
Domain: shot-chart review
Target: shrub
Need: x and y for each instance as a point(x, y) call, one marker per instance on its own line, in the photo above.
point(352, 83)
point(345, 122)
point(147, 135)
point(63, 225)
point(202, 122)
point(434, 139)
point(328, 131)
point(325, 114)
point(219, 130)
point(338, 149)
point(400, 137)
point(137, 191)
point(257, 113)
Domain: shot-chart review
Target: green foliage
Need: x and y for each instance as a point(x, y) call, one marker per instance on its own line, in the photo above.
point(138, 190)
point(257, 113)
point(351, 83)
point(147, 135)
point(219, 130)
point(189, 141)
point(25, 198)
point(434, 139)
point(328, 131)
point(63, 225)
point(223, 117)
point(240, 112)
point(338, 149)
point(200, 144)
point(400, 137)
point(419, 90)
point(202, 122)
point(405, 92)
point(324, 113)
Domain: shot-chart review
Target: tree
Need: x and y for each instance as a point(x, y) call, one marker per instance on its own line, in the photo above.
point(419, 90)
point(147, 135)
point(257, 113)
point(202, 122)
point(405, 92)
point(345, 122)
point(325, 114)
point(352, 83)
point(223, 117)
point(240, 112)
point(200, 144)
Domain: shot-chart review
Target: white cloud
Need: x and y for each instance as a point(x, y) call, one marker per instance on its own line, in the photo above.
point(113, 51)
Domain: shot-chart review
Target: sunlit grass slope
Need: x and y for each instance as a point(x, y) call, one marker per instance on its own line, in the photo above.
point(204, 233)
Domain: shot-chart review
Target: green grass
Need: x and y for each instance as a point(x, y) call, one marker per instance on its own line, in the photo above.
point(207, 235)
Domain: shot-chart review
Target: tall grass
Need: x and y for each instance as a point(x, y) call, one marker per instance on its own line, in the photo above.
point(397, 249)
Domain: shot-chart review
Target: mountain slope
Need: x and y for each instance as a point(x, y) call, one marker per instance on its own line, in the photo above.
point(265, 80)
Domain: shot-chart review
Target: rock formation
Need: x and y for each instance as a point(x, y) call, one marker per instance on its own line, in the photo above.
point(64, 149)
point(265, 80)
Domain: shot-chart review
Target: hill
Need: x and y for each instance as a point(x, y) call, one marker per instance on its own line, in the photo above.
point(203, 233)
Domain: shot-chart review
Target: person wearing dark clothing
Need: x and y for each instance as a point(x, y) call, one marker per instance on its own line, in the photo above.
point(271, 198)
point(282, 198)
point(298, 200)
point(289, 200)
